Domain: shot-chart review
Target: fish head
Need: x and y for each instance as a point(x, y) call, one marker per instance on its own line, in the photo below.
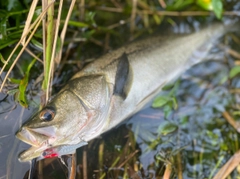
point(74, 116)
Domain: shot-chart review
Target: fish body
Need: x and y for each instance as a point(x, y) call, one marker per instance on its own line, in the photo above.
point(111, 89)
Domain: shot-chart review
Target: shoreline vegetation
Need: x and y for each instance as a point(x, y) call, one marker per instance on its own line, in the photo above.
point(50, 31)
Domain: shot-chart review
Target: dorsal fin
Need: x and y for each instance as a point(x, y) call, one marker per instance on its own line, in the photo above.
point(122, 76)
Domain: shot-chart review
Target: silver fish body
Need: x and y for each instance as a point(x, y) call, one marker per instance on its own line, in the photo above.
point(111, 89)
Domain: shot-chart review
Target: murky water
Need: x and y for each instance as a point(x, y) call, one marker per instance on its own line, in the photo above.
point(12, 116)
point(193, 138)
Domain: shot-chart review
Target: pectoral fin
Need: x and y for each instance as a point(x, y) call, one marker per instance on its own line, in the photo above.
point(123, 78)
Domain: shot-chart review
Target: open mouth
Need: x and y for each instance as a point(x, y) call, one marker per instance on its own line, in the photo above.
point(39, 153)
point(40, 139)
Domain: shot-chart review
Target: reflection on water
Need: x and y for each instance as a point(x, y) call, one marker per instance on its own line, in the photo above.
point(194, 140)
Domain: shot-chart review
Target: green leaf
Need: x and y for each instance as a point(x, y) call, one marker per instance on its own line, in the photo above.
point(205, 4)
point(184, 120)
point(158, 19)
point(37, 44)
point(8, 42)
point(88, 34)
point(223, 80)
point(2, 59)
point(217, 8)
point(23, 86)
point(154, 143)
point(37, 12)
point(14, 5)
point(89, 17)
point(167, 128)
point(160, 101)
point(236, 113)
point(15, 81)
point(3, 13)
point(175, 104)
point(14, 34)
point(234, 71)
point(224, 146)
point(59, 45)
point(168, 87)
point(214, 138)
point(180, 5)
point(77, 24)
point(3, 27)
point(167, 110)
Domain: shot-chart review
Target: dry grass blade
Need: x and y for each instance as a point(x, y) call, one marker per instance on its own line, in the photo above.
point(82, 9)
point(32, 169)
point(192, 13)
point(64, 30)
point(128, 158)
point(29, 19)
point(122, 22)
point(33, 55)
point(133, 15)
point(133, 174)
point(162, 3)
point(73, 167)
point(116, 3)
point(34, 26)
point(49, 38)
point(40, 169)
point(231, 121)
point(100, 156)
point(18, 56)
point(18, 44)
point(171, 13)
point(232, 163)
point(110, 9)
point(85, 162)
point(179, 166)
point(44, 5)
point(67, 53)
point(234, 53)
point(168, 171)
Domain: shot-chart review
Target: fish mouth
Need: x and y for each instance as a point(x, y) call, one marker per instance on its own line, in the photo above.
point(43, 153)
point(31, 153)
point(39, 138)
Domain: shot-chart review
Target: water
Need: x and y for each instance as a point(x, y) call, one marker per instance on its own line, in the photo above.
point(196, 137)
point(12, 116)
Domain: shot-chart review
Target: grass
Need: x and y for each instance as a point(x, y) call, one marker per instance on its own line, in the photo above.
point(99, 26)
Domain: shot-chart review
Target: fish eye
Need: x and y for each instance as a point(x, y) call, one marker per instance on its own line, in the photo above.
point(47, 114)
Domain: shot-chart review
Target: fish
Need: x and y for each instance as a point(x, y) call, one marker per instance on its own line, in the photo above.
point(111, 89)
